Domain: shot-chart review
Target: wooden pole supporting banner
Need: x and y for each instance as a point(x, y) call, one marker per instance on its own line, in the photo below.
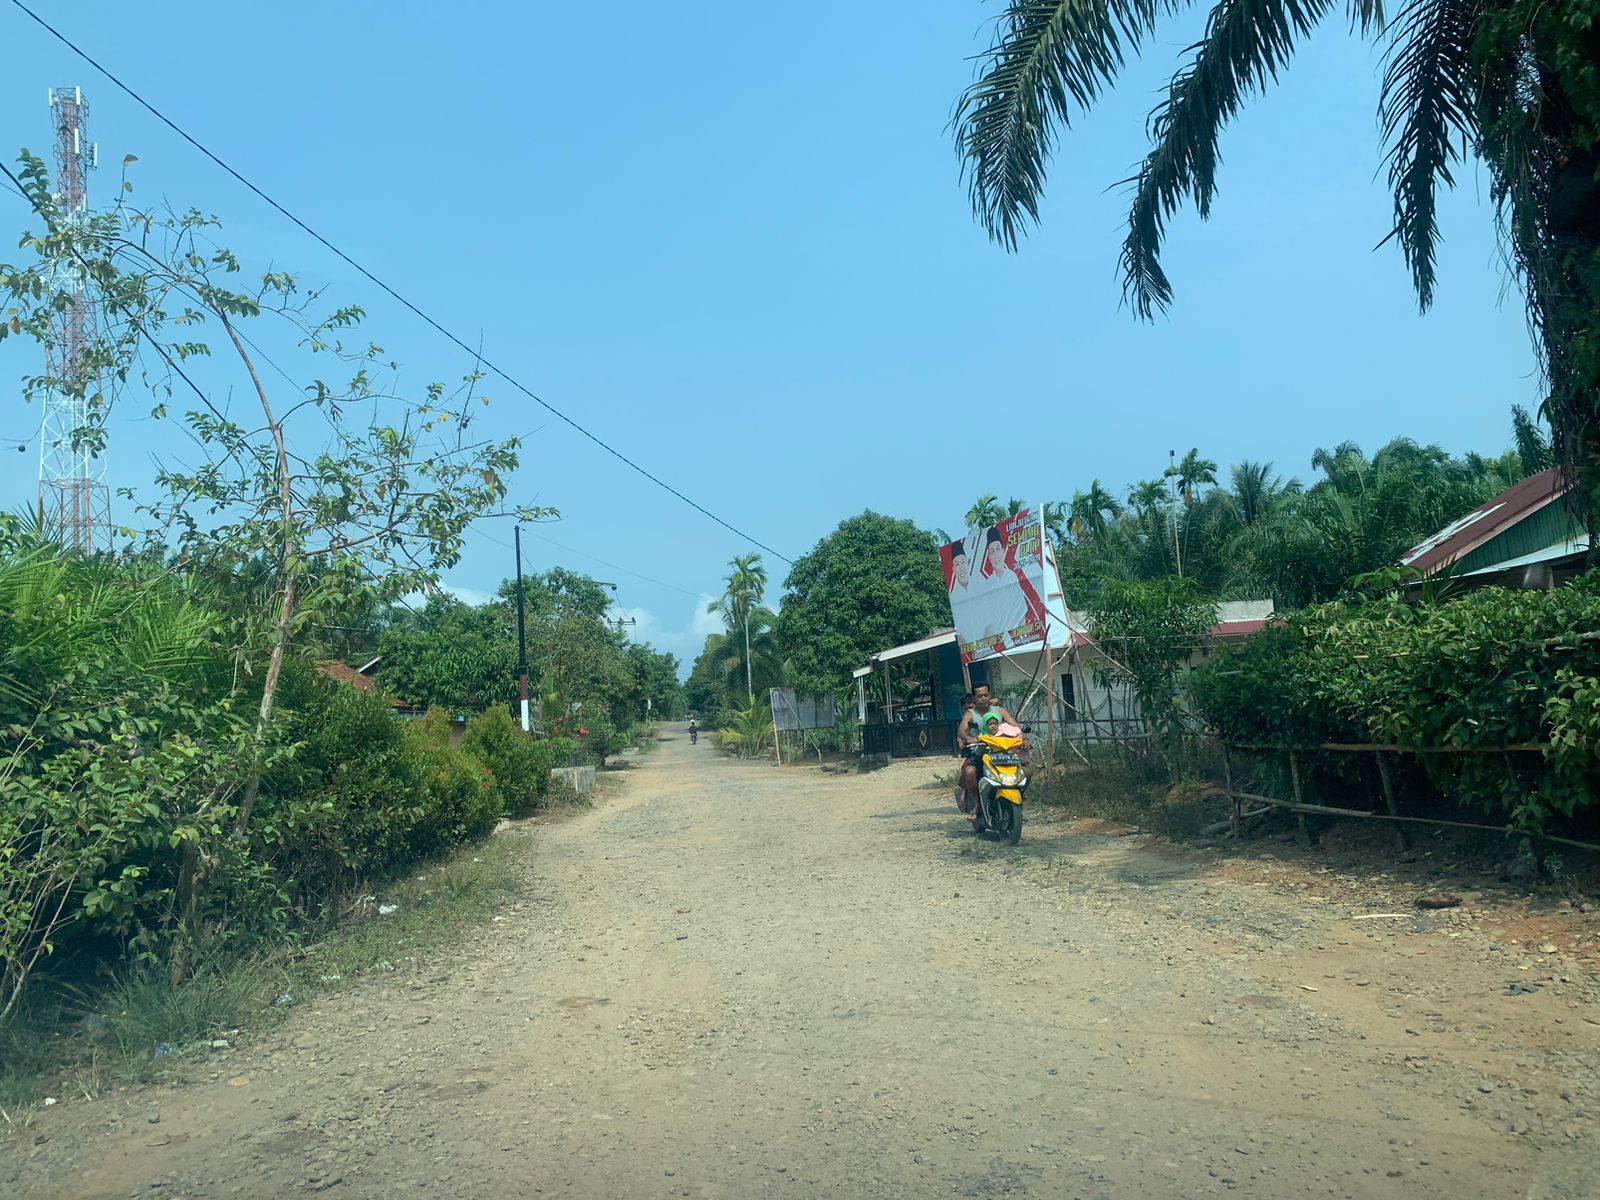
point(1227, 777)
point(1299, 799)
point(1050, 718)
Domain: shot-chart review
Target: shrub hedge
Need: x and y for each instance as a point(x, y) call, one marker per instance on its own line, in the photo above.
point(1491, 668)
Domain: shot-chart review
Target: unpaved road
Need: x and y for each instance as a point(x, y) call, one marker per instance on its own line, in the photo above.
point(732, 981)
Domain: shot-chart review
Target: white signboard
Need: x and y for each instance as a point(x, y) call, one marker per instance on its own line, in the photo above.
point(791, 713)
point(1001, 580)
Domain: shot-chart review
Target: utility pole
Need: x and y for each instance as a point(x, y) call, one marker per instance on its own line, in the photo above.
point(522, 639)
point(74, 501)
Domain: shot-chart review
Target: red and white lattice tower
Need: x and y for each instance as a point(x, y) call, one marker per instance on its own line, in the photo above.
point(74, 500)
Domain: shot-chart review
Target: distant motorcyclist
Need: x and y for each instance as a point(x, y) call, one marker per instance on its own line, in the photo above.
point(694, 732)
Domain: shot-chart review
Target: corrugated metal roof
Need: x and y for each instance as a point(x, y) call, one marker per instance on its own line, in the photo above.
point(1570, 548)
point(1464, 535)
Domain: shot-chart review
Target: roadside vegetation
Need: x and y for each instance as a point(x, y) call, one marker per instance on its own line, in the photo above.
point(201, 798)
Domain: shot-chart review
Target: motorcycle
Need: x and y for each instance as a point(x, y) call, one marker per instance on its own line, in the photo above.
point(1002, 783)
point(694, 736)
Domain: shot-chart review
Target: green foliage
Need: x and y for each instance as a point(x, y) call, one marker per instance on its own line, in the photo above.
point(122, 756)
point(459, 800)
point(450, 655)
point(1493, 668)
point(750, 730)
point(1517, 82)
point(875, 581)
point(1267, 537)
point(520, 765)
point(1148, 631)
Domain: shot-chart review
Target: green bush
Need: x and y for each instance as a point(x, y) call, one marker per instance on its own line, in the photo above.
point(597, 742)
point(459, 801)
point(562, 751)
point(520, 765)
point(1489, 669)
point(349, 800)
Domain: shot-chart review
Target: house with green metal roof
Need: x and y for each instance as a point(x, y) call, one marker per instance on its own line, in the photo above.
point(1524, 537)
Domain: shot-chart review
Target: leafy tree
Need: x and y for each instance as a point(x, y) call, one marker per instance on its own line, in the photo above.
point(1513, 80)
point(1148, 631)
point(657, 676)
point(451, 655)
point(342, 488)
point(874, 582)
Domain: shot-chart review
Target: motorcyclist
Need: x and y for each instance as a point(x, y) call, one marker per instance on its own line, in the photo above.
point(694, 732)
point(973, 722)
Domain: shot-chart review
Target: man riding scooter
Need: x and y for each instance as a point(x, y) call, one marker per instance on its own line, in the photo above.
point(694, 732)
point(975, 721)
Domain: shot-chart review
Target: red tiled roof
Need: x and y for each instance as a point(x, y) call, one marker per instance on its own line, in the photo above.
point(1233, 629)
point(348, 675)
point(1466, 534)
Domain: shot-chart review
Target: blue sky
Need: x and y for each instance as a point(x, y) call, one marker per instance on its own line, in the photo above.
point(733, 239)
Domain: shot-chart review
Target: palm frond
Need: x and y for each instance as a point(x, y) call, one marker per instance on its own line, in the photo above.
point(1366, 16)
point(1426, 111)
point(1047, 57)
point(1246, 44)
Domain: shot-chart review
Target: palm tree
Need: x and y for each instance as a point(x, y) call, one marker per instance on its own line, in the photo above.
point(1147, 496)
point(1254, 488)
point(746, 584)
point(1532, 445)
point(1090, 510)
point(1056, 518)
point(985, 511)
point(1345, 466)
point(1192, 471)
point(1511, 80)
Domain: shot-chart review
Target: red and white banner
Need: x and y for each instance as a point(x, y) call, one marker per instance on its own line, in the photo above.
point(1000, 580)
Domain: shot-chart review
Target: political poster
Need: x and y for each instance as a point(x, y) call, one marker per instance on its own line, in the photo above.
point(1000, 581)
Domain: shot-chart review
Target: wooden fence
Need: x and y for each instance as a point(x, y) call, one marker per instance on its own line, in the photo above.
point(1301, 808)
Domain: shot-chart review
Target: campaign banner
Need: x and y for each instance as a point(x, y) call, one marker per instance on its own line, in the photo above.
point(1000, 579)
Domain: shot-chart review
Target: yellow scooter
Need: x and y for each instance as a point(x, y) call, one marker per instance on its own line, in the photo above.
point(1002, 780)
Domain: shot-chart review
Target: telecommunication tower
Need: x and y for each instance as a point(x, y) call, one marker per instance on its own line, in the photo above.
point(74, 501)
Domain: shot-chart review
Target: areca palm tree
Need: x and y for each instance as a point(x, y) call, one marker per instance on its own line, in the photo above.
point(1192, 471)
point(746, 584)
point(1510, 79)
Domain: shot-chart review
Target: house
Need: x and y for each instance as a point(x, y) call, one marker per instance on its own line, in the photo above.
point(1088, 706)
point(364, 679)
point(1524, 538)
point(361, 678)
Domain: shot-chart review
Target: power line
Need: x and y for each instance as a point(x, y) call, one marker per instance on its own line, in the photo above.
point(396, 296)
point(659, 583)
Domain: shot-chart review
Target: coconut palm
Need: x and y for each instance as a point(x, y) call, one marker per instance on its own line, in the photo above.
point(1254, 488)
point(1511, 80)
point(985, 511)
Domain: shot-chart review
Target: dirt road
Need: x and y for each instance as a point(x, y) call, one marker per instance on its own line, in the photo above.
point(732, 981)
